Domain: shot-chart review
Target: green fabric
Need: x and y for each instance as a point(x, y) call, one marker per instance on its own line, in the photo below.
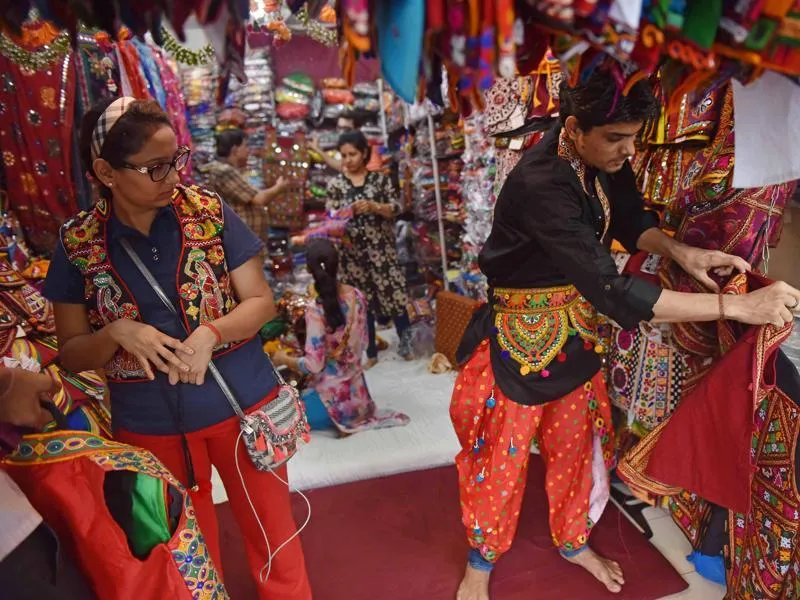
point(274, 329)
point(761, 34)
point(150, 521)
point(659, 10)
point(701, 21)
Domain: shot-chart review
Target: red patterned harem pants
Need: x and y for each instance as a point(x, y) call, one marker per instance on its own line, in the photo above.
point(575, 440)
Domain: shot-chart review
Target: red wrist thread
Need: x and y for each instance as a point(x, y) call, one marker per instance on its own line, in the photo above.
point(215, 331)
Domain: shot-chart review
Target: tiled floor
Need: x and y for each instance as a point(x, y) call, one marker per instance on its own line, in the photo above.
point(674, 546)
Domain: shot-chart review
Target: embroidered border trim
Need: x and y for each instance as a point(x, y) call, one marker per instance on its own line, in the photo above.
point(533, 325)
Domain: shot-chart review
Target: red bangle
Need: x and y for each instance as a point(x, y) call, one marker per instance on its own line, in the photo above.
point(215, 331)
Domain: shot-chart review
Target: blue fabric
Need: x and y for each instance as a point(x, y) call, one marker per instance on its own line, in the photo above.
point(571, 553)
point(316, 413)
point(152, 407)
point(401, 27)
point(709, 567)
point(151, 72)
point(477, 562)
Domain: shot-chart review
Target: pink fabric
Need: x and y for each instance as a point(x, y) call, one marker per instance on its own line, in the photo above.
point(334, 360)
point(318, 61)
point(176, 105)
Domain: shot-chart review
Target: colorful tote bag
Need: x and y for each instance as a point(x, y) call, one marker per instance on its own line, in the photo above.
point(63, 475)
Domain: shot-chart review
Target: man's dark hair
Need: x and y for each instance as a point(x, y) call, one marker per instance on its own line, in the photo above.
point(599, 101)
point(228, 140)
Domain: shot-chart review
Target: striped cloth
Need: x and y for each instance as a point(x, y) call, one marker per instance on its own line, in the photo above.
point(107, 120)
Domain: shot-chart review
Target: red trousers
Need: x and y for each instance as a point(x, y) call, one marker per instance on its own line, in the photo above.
point(574, 436)
point(288, 579)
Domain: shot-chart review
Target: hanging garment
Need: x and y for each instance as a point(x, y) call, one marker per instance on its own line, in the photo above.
point(65, 472)
point(131, 64)
point(717, 216)
point(770, 530)
point(176, 103)
point(36, 124)
point(152, 73)
point(400, 25)
point(712, 428)
point(98, 78)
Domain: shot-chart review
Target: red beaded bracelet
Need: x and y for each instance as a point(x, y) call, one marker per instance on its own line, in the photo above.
point(215, 331)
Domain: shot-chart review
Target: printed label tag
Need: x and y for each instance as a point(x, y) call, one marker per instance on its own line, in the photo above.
point(621, 259)
point(650, 265)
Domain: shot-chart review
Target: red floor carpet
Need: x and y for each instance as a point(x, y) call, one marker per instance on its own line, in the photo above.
point(400, 538)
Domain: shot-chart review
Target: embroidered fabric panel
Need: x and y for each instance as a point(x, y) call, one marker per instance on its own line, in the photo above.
point(205, 286)
point(204, 283)
point(690, 514)
point(763, 552)
point(534, 325)
point(647, 377)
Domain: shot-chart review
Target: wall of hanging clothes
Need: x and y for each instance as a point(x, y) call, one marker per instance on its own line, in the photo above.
point(46, 87)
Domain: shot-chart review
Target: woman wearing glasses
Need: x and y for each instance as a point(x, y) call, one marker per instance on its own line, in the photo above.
point(108, 316)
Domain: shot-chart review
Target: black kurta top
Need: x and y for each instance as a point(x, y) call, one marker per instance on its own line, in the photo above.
point(546, 233)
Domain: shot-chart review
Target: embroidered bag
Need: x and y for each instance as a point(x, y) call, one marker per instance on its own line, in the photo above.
point(272, 433)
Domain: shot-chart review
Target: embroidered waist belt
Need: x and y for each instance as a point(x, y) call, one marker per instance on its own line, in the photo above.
point(534, 325)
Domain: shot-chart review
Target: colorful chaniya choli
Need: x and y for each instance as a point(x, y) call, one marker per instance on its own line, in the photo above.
point(204, 283)
point(180, 568)
point(737, 435)
point(651, 368)
point(36, 124)
point(176, 104)
point(334, 361)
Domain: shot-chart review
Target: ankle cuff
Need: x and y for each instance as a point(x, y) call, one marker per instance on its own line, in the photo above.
point(477, 562)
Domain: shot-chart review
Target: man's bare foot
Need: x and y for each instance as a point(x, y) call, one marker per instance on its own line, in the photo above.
point(475, 585)
point(608, 572)
point(371, 362)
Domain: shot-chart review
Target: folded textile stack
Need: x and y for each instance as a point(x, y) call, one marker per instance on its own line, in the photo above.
point(294, 97)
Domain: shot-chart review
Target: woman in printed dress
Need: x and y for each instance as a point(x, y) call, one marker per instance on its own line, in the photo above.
point(369, 254)
point(336, 334)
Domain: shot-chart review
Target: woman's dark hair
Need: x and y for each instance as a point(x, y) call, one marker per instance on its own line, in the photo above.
point(599, 101)
point(127, 137)
point(228, 140)
point(358, 140)
point(323, 262)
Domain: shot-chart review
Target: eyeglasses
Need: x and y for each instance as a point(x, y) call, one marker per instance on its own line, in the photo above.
point(160, 171)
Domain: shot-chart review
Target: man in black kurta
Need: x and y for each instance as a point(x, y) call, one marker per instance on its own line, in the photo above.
point(531, 358)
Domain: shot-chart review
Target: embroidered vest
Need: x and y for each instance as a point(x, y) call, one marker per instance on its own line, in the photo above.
point(204, 283)
point(44, 464)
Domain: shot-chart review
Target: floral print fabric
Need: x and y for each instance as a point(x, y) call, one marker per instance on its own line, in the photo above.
point(369, 254)
point(334, 362)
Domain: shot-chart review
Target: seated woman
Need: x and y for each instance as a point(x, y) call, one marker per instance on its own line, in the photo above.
point(336, 337)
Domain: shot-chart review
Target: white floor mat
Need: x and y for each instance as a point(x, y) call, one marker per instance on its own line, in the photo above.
point(427, 441)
